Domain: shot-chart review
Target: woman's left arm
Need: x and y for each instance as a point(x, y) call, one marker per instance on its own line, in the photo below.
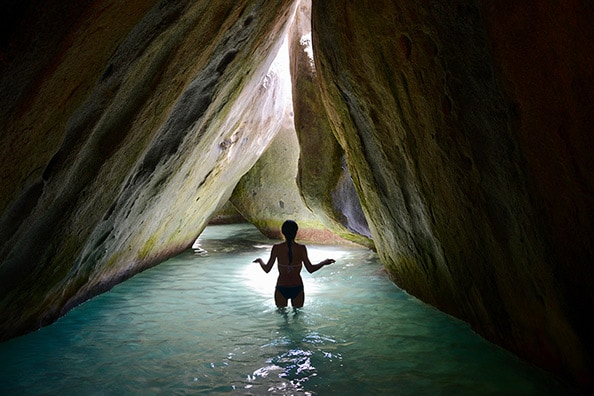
point(311, 268)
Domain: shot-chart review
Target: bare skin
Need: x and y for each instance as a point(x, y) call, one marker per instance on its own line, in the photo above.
point(289, 275)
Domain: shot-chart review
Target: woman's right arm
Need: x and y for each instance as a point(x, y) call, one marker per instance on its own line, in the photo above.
point(268, 266)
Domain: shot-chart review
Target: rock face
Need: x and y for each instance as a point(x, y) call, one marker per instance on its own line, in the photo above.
point(456, 134)
point(324, 179)
point(121, 145)
point(302, 175)
point(268, 194)
point(450, 126)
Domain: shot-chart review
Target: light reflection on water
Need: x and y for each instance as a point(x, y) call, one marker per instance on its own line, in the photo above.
point(206, 323)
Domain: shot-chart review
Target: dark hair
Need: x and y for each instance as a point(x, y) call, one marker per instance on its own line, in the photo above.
point(289, 230)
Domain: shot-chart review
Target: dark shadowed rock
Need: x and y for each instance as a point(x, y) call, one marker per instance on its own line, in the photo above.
point(455, 149)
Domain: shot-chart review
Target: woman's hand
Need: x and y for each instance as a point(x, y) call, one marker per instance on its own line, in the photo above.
point(259, 261)
point(328, 261)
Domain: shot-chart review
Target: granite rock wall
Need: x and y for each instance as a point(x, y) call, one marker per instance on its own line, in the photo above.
point(303, 174)
point(128, 126)
point(467, 128)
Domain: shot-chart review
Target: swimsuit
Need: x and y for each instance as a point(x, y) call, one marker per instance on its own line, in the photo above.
point(290, 292)
point(290, 267)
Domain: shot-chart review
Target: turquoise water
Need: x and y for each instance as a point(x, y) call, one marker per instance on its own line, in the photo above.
point(205, 323)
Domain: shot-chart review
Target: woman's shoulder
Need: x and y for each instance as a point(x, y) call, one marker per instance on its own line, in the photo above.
point(279, 245)
point(300, 246)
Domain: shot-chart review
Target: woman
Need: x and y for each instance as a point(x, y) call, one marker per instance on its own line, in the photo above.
point(290, 255)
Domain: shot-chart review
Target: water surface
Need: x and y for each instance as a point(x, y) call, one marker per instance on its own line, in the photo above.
point(205, 323)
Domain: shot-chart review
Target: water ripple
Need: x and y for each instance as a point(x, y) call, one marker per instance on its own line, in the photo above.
point(206, 323)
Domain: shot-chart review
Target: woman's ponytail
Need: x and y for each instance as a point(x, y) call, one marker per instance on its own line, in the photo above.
point(289, 230)
point(289, 243)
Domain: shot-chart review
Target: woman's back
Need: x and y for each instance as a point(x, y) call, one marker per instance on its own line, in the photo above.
point(289, 271)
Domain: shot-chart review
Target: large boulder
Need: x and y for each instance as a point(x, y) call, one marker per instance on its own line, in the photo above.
point(268, 194)
point(471, 151)
point(303, 175)
point(323, 178)
point(129, 127)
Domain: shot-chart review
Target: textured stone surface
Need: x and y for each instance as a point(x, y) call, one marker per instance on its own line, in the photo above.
point(323, 178)
point(448, 160)
point(544, 56)
point(125, 156)
point(268, 195)
point(302, 175)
